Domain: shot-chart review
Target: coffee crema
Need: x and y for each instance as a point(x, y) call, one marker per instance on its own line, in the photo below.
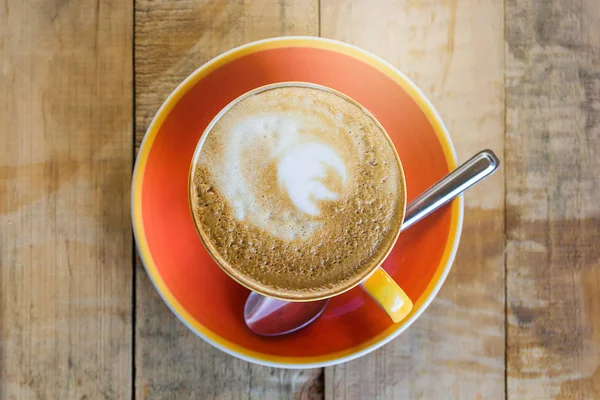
point(297, 192)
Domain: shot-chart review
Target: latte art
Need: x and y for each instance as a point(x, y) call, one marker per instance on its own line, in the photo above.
point(301, 168)
point(297, 191)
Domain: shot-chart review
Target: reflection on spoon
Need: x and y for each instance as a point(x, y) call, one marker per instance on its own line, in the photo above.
point(267, 316)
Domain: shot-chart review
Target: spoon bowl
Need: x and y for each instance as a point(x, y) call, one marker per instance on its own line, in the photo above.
point(267, 316)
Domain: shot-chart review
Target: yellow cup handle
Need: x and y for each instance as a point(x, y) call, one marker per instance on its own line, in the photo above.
point(386, 292)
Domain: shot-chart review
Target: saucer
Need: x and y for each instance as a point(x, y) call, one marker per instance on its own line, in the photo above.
point(202, 296)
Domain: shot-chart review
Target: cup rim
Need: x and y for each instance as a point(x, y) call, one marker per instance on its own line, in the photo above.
point(238, 277)
point(144, 251)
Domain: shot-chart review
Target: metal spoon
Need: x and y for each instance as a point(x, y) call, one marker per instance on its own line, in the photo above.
point(267, 316)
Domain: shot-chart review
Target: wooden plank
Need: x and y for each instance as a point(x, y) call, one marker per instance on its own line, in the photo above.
point(455, 52)
point(553, 203)
point(65, 170)
point(172, 39)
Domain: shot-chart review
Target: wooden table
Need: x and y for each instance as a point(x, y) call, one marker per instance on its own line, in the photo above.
point(518, 317)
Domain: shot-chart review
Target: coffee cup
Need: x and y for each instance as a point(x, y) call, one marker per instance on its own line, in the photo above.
point(298, 193)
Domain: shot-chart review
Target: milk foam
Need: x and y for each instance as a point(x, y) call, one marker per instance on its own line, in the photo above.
point(299, 171)
point(302, 165)
point(237, 190)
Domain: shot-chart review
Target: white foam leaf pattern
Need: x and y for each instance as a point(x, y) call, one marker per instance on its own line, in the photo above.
point(299, 171)
point(301, 166)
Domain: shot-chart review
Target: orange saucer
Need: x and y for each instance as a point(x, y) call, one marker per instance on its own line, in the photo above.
point(194, 287)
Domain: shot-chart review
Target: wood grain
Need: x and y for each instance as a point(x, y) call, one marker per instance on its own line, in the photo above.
point(553, 199)
point(172, 39)
point(65, 170)
point(455, 52)
point(65, 163)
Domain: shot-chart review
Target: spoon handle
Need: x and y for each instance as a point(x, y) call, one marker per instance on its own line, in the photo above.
point(478, 167)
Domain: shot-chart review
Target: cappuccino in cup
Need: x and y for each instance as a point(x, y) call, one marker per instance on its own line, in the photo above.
point(297, 191)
